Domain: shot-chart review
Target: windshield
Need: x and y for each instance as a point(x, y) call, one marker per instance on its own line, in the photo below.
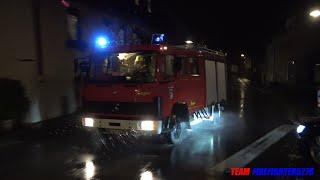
point(119, 67)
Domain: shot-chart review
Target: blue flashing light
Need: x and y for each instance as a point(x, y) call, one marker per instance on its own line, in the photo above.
point(102, 42)
point(300, 129)
point(158, 38)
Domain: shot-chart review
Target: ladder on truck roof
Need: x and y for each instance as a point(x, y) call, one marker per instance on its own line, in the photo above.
point(203, 49)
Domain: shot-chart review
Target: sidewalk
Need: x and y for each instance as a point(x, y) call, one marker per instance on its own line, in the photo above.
point(55, 125)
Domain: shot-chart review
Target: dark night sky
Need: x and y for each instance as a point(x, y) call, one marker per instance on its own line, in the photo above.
point(230, 25)
point(233, 26)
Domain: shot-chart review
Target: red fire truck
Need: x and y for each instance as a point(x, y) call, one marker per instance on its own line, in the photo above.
point(152, 89)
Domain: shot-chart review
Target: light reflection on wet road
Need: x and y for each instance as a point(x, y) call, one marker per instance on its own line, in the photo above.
point(243, 83)
point(74, 153)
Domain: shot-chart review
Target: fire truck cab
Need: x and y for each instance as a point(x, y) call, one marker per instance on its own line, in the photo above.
point(151, 89)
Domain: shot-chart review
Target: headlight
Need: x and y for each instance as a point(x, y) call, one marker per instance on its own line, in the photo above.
point(147, 125)
point(300, 128)
point(88, 122)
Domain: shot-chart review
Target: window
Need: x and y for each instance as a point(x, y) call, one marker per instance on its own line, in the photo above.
point(187, 65)
point(184, 66)
point(166, 68)
point(73, 24)
point(169, 65)
point(135, 66)
point(181, 65)
point(194, 66)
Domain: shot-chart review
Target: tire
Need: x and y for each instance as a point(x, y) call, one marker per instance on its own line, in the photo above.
point(179, 133)
point(315, 149)
point(179, 123)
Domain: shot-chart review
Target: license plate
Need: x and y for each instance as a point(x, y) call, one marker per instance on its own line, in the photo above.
point(117, 131)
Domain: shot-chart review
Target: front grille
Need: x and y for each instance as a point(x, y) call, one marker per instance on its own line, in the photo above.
point(120, 108)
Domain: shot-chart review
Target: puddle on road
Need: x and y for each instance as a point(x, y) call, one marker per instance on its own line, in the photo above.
point(130, 167)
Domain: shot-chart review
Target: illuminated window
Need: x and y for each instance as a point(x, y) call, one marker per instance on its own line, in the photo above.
point(73, 24)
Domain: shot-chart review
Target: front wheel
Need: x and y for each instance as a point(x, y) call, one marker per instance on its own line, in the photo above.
point(178, 123)
point(179, 131)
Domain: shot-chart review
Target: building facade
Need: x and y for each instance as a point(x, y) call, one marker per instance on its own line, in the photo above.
point(33, 51)
point(293, 55)
point(41, 41)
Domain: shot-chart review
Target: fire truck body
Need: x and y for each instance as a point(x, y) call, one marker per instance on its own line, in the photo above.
point(151, 88)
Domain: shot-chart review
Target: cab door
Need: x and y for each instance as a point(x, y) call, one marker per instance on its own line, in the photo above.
point(190, 86)
point(166, 87)
point(181, 80)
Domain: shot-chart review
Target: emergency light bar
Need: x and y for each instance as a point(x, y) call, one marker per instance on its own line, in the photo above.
point(158, 39)
point(102, 42)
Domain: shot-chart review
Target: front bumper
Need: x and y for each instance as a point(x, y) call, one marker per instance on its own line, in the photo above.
point(115, 126)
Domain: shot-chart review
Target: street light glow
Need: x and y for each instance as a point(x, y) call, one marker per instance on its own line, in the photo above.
point(242, 55)
point(315, 13)
point(189, 42)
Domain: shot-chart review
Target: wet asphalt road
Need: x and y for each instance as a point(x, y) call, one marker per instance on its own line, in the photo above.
point(65, 150)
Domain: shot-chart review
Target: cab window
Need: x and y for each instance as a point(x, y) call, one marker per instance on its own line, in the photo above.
point(166, 68)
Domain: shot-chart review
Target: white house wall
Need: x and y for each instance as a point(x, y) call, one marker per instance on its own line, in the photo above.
point(19, 56)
